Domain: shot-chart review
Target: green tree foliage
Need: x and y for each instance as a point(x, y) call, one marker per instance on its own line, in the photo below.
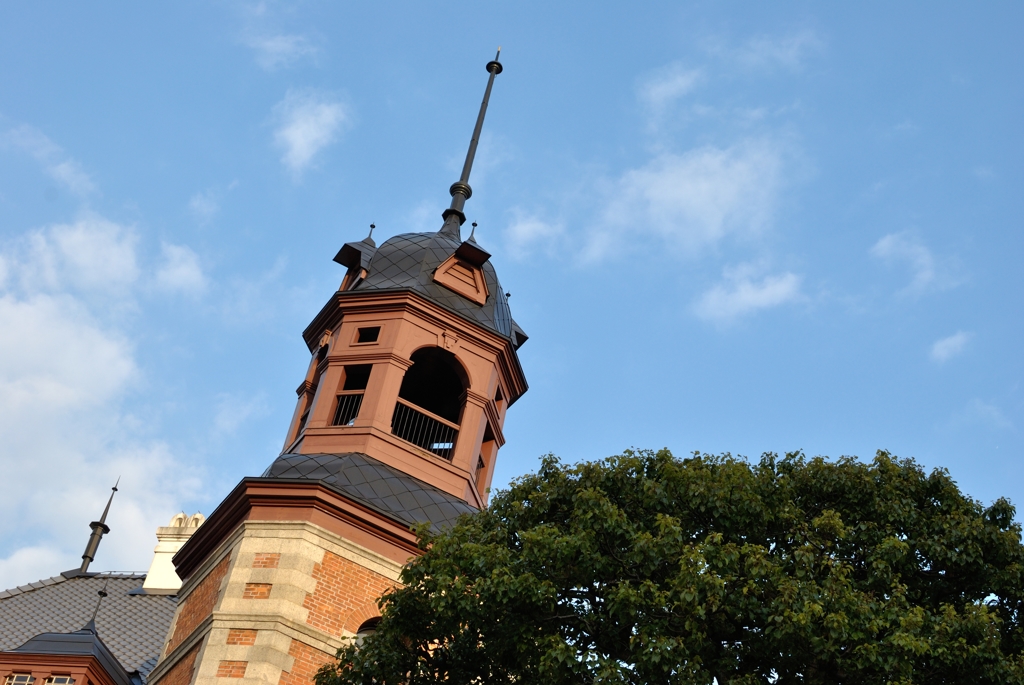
point(646, 569)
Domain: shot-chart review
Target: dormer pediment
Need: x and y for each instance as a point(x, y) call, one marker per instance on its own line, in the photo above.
point(462, 277)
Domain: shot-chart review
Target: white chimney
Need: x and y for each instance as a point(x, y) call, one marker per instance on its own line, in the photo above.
point(161, 578)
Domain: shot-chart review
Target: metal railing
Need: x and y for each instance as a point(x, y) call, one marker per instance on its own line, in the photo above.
point(348, 408)
point(423, 429)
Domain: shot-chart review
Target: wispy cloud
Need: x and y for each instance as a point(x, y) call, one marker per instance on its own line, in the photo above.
point(180, 271)
point(744, 291)
point(979, 412)
point(927, 272)
point(203, 206)
point(668, 84)
point(529, 233)
point(92, 255)
point(307, 122)
point(61, 168)
point(774, 52)
point(945, 349)
point(233, 410)
point(692, 200)
point(281, 50)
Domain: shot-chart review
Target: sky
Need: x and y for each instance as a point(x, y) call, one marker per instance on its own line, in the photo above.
point(726, 227)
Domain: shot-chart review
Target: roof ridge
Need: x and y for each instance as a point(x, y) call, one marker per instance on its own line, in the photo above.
point(55, 580)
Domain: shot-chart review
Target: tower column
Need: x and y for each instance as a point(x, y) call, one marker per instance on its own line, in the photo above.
point(471, 432)
point(330, 381)
point(382, 392)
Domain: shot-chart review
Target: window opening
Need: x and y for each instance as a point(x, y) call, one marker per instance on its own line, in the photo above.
point(357, 376)
point(350, 399)
point(60, 680)
point(368, 627)
point(430, 402)
point(368, 335)
point(19, 679)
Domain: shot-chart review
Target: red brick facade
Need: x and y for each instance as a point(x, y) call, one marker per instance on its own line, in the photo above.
point(257, 591)
point(266, 560)
point(198, 605)
point(239, 636)
point(343, 589)
point(231, 669)
point(308, 661)
point(181, 672)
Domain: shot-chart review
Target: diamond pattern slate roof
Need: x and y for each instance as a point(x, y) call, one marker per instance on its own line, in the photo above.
point(408, 261)
point(133, 627)
point(366, 480)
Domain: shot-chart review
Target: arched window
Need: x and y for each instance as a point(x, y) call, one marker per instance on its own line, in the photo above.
point(435, 382)
point(368, 627)
point(430, 401)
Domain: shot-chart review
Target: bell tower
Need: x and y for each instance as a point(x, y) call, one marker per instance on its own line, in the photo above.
point(398, 422)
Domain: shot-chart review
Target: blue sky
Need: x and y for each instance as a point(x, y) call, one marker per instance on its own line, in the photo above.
point(727, 227)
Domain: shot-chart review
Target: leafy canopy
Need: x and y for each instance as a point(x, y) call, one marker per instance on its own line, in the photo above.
point(643, 568)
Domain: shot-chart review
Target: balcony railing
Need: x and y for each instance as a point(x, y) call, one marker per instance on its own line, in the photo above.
point(424, 429)
point(348, 408)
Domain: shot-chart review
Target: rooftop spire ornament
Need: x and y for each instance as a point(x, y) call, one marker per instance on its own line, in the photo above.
point(99, 529)
point(460, 190)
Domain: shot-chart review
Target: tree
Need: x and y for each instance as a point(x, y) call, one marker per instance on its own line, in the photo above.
point(643, 568)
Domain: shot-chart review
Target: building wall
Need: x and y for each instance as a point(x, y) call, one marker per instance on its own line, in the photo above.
point(279, 598)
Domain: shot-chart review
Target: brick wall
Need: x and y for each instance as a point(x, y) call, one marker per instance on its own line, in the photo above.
point(231, 669)
point(181, 672)
point(343, 587)
point(308, 661)
point(198, 605)
point(239, 636)
point(266, 560)
point(257, 591)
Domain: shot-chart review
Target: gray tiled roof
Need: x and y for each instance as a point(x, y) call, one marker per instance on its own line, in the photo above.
point(132, 626)
point(408, 261)
point(366, 480)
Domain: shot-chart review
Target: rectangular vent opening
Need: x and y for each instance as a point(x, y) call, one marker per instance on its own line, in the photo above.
point(368, 335)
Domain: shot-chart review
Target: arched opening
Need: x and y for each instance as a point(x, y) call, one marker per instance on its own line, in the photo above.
point(435, 382)
point(368, 627)
point(430, 401)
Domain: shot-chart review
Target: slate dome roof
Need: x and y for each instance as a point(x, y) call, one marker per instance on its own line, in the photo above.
point(407, 261)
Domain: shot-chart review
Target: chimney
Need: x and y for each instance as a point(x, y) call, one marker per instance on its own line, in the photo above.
point(161, 578)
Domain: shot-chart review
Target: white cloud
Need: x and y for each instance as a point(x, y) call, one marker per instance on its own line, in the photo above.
point(282, 50)
point(527, 233)
point(92, 255)
point(180, 270)
point(203, 206)
point(742, 292)
point(927, 272)
point(65, 380)
point(58, 165)
point(307, 123)
point(693, 200)
point(945, 349)
point(235, 409)
point(978, 412)
point(771, 52)
point(668, 84)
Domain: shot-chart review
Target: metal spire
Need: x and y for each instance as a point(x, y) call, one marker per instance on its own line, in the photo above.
point(460, 190)
point(99, 529)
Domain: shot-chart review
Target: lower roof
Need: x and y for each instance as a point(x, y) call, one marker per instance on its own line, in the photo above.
point(132, 626)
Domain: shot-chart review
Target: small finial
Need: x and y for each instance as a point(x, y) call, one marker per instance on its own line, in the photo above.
point(372, 226)
point(473, 233)
point(102, 593)
point(508, 294)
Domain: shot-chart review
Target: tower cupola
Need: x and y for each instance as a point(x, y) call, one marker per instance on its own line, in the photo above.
point(414, 358)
